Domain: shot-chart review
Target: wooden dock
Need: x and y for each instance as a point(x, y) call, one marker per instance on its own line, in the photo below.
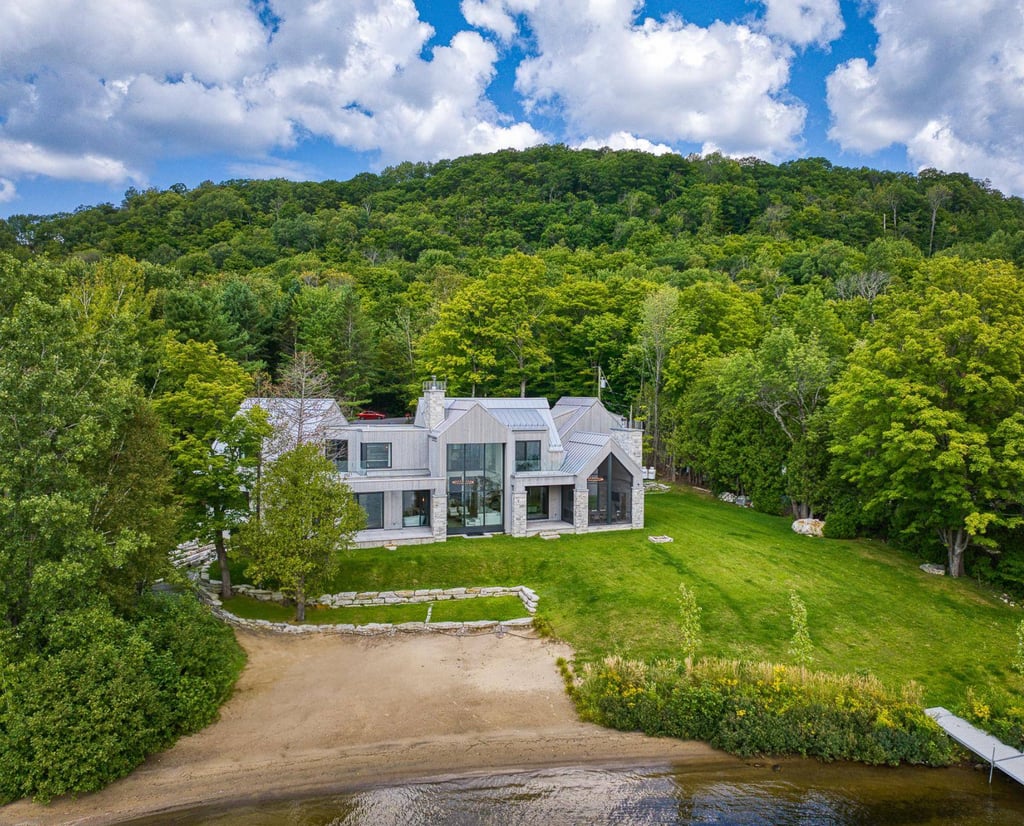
point(996, 753)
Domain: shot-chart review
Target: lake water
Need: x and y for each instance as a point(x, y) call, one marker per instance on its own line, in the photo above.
point(801, 793)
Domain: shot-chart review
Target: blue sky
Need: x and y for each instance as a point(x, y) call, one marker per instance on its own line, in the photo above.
point(97, 96)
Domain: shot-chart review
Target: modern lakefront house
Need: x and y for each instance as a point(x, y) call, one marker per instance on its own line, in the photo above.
point(475, 466)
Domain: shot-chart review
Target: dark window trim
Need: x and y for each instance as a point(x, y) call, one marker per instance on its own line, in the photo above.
point(359, 499)
point(375, 466)
point(336, 451)
point(524, 461)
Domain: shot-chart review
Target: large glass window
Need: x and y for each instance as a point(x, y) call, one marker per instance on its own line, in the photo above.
point(537, 503)
point(527, 456)
point(415, 508)
point(336, 451)
point(609, 490)
point(375, 455)
point(373, 505)
point(475, 474)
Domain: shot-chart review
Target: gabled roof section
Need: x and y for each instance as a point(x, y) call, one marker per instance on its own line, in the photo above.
point(455, 414)
point(571, 412)
point(582, 449)
point(289, 416)
point(517, 414)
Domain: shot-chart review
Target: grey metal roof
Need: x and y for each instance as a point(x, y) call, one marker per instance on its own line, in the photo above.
point(513, 413)
point(581, 449)
point(520, 418)
point(284, 414)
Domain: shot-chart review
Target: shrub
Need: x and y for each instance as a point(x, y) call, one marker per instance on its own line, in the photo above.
point(759, 709)
point(998, 712)
point(1018, 659)
point(844, 518)
point(107, 692)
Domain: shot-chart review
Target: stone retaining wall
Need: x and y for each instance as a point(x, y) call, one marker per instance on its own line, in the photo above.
point(354, 599)
point(364, 598)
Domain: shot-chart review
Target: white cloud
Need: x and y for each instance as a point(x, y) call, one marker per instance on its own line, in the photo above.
point(89, 81)
point(19, 158)
point(722, 86)
point(8, 191)
point(945, 82)
point(490, 15)
point(624, 140)
point(803, 22)
point(271, 168)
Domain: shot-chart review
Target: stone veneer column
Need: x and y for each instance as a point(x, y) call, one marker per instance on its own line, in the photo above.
point(638, 504)
point(519, 513)
point(581, 510)
point(439, 516)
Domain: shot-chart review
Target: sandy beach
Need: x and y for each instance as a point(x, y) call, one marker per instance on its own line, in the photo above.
point(325, 714)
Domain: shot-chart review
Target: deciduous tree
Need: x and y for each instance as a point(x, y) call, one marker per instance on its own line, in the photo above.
point(309, 518)
point(929, 424)
point(214, 449)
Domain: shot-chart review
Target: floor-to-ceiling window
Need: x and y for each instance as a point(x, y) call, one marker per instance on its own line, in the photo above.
point(609, 490)
point(373, 505)
point(415, 508)
point(475, 476)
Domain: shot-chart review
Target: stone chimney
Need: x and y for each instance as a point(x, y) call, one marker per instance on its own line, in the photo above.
point(632, 441)
point(433, 402)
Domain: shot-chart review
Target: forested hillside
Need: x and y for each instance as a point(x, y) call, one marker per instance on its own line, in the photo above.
point(820, 339)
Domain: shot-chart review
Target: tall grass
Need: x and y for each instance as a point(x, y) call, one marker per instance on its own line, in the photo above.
point(763, 709)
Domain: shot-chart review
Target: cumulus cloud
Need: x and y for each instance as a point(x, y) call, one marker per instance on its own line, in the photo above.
point(721, 86)
point(491, 15)
point(804, 22)
point(23, 158)
point(624, 140)
point(271, 168)
point(8, 191)
point(91, 81)
point(945, 82)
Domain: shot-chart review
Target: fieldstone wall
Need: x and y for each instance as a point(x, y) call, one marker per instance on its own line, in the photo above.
point(362, 598)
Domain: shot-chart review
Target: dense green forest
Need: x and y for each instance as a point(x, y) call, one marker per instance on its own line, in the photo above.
point(823, 340)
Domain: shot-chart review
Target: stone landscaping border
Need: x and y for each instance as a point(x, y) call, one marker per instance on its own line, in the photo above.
point(346, 599)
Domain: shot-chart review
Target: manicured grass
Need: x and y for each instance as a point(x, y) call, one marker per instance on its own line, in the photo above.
point(482, 608)
point(463, 610)
point(870, 610)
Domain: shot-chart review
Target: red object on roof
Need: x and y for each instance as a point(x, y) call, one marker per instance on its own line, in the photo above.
point(370, 414)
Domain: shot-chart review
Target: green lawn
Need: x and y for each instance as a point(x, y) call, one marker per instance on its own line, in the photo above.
point(869, 607)
point(453, 610)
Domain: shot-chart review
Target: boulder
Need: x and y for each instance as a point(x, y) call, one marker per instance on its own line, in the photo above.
point(809, 527)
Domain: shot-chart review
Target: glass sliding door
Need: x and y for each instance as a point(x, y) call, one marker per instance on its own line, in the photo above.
point(537, 503)
point(475, 474)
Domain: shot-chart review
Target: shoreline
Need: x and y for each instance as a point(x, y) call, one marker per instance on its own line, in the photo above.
point(323, 715)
